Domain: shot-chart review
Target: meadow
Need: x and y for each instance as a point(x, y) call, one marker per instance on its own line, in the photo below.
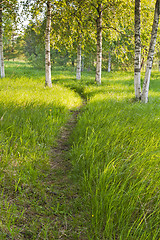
point(114, 154)
point(31, 118)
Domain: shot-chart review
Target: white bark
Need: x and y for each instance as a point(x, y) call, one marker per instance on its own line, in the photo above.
point(78, 74)
point(48, 81)
point(137, 61)
point(146, 82)
point(82, 65)
point(109, 62)
point(99, 46)
point(1, 46)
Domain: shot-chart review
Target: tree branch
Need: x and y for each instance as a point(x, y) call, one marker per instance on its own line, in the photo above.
point(92, 5)
point(110, 27)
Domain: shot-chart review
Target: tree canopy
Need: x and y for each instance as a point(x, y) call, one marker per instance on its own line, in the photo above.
point(98, 33)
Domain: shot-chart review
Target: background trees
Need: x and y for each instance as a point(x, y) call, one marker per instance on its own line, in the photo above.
point(151, 53)
point(137, 63)
point(137, 70)
point(78, 30)
point(8, 14)
point(1, 44)
point(48, 81)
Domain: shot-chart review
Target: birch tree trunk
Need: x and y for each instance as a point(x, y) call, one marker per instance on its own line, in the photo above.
point(82, 65)
point(144, 96)
point(137, 61)
point(109, 62)
point(99, 45)
point(78, 74)
point(1, 45)
point(48, 81)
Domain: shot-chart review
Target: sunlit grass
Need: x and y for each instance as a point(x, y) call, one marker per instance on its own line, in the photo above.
point(30, 119)
point(116, 157)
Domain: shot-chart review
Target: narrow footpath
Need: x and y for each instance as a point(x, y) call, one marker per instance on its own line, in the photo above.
point(67, 204)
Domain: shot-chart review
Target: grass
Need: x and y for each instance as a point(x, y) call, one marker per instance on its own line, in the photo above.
point(115, 157)
point(31, 118)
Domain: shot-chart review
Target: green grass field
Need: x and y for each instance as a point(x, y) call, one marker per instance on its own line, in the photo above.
point(31, 118)
point(115, 156)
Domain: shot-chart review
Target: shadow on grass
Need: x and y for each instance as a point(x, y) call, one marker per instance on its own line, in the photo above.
point(88, 88)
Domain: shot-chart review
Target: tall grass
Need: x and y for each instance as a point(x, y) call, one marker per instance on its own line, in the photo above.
point(116, 157)
point(30, 119)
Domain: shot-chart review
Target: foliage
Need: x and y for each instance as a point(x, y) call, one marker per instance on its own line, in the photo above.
point(34, 45)
point(14, 47)
point(9, 24)
point(69, 22)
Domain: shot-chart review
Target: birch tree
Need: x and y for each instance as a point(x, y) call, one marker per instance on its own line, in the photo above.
point(98, 7)
point(104, 11)
point(144, 96)
point(137, 61)
point(1, 44)
point(11, 8)
point(79, 18)
point(78, 70)
point(99, 43)
point(109, 62)
point(37, 11)
point(73, 28)
point(77, 10)
point(48, 81)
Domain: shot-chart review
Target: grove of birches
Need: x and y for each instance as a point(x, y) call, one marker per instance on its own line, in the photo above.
point(79, 120)
point(79, 32)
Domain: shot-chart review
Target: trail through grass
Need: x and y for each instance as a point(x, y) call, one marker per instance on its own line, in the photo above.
point(31, 191)
point(104, 184)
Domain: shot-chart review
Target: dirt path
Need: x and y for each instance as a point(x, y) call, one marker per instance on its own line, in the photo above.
point(68, 219)
point(63, 146)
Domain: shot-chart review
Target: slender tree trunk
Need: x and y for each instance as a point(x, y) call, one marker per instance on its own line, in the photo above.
point(137, 61)
point(146, 82)
point(142, 63)
point(48, 81)
point(72, 60)
point(78, 74)
point(109, 62)
point(1, 45)
point(99, 45)
point(82, 67)
point(158, 61)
